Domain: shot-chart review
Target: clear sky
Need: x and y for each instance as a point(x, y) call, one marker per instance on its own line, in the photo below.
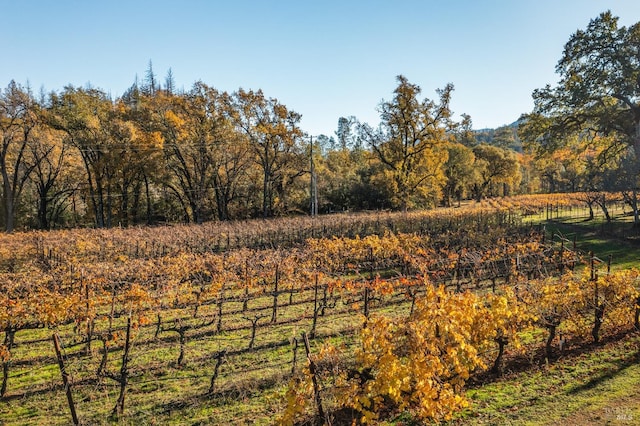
point(324, 58)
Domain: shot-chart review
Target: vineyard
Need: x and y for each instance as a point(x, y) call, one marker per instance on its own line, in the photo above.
point(339, 318)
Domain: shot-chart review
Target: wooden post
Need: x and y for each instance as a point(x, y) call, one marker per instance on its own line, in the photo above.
point(598, 308)
point(65, 379)
point(314, 379)
point(88, 314)
point(274, 312)
point(220, 302)
point(245, 301)
point(561, 255)
point(315, 307)
point(295, 356)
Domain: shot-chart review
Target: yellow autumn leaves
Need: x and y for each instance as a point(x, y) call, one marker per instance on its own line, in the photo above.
point(420, 362)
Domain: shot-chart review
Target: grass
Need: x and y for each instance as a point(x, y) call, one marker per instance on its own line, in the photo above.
point(248, 390)
point(624, 254)
point(589, 387)
point(594, 386)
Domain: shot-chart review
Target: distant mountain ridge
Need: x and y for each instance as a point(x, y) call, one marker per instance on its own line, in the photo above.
point(504, 136)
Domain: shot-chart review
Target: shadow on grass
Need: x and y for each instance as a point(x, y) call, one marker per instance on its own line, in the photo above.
point(238, 391)
point(536, 359)
point(619, 368)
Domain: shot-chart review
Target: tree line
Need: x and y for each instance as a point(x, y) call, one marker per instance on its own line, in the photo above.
point(78, 157)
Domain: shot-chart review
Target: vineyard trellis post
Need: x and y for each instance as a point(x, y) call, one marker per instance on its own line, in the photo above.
point(65, 379)
point(245, 300)
point(220, 304)
point(561, 255)
point(274, 312)
point(294, 361)
point(89, 319)
point(314, 378)
point(367, 284)
point(597, 306)
point(312, 333)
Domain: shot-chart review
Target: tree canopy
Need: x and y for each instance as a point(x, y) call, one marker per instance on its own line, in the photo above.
point(595, 107)
point(410, 142)
point(599, 87)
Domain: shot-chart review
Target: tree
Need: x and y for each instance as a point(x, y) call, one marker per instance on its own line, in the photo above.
point(18, 118)
point(346, 133)
point(206, 156)
point(169, 83)
point(49, 158)
point(189, 125)
point(599, 87)
point(83, 114)
point(506, 137)
point(139, 112)
point(463, 132)
point(410, 143)
point(273, 132)
point(232, 161)
point(133, 152)
point(459, 171)
point(150, 82)
point(598, 91)
point(494, 166)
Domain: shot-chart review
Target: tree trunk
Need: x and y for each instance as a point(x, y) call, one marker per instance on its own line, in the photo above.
point(636, 138)
point(265, 195)
point(591, 215)
point(636, 148)
point(43, 203)
point(7, 198)
point(497, 365)
point(552, 334)
point(97, 200)
point(124, 206)
point(636, 214)
point(602, 202)
point(8, 213)
point(109, 207)
point(148, 196)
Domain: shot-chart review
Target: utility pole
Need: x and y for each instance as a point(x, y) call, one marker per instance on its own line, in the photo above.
point(313, 190)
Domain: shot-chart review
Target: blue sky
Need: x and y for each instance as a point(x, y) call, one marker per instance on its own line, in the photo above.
point(324, 59)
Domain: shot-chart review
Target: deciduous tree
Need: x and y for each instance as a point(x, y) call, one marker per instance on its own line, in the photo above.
point(18, 118)
point(598, 91)
point(274, 136)
point(410, 143)
point(494, 166)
